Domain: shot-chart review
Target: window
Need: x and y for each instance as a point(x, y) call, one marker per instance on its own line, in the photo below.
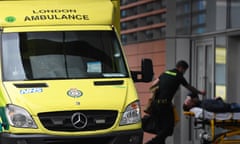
point(61, 55)
point(220, 67)
point(234, 13)
point(123, 13)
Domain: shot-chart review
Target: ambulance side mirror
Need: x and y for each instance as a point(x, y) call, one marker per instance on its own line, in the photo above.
point(147, 70)
point(146, 73)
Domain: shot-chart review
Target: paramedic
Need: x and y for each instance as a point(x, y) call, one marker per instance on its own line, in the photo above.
point(168, 83)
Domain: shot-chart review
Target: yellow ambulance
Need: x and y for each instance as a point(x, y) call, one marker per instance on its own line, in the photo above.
point(64, 77)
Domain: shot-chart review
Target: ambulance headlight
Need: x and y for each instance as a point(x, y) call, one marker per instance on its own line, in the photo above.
point(132, 114)
point(19, 117)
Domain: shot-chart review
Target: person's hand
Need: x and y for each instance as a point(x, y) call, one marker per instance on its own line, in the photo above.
point(203, 93)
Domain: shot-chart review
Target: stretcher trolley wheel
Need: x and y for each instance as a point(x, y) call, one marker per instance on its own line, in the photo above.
point(205, 138)
point(205, 142)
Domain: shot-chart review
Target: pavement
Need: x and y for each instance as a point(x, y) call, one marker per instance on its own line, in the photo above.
point(148, 137)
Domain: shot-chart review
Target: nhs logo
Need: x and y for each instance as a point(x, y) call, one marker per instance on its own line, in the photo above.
point(31, 90)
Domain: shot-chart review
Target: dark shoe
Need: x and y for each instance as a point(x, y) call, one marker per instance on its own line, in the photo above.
point(149, 142)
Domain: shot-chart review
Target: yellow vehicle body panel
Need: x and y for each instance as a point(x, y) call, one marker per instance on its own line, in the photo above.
point(55, 12)
point(54, 97)
point(57, 28)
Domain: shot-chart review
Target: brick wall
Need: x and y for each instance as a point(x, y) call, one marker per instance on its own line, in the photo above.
point(154, 50)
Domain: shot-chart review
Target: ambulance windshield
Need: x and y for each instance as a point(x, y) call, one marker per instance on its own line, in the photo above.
point(61, 55)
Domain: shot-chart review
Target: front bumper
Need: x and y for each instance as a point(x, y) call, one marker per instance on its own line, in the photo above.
point(123, 137)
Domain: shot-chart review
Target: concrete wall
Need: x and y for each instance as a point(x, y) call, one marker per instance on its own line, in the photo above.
point(177, 48)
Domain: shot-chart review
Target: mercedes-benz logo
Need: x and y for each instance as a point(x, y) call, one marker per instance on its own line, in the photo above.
point(79, 120)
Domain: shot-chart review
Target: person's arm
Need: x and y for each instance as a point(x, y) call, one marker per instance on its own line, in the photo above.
point(194, 90)
point(155, 83)
point(189, 87)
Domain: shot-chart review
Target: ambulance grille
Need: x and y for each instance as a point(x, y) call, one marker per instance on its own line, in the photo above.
point(78, 120)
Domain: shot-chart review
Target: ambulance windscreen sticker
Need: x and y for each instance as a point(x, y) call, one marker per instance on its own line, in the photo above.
point(10, 19)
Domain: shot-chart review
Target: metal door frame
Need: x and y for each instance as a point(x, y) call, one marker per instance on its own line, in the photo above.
point(205, 44)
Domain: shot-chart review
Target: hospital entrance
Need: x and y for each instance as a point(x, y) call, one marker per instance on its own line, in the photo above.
point(215, 68)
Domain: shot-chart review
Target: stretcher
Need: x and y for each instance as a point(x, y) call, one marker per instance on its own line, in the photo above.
point(228, 122)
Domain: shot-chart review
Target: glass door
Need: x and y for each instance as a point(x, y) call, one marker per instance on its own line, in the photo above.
point(202, 73)
point(203, 65)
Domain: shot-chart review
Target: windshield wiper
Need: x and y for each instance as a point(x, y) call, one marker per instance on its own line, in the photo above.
point(114, 75)
point(49, 78)
point(87, 75)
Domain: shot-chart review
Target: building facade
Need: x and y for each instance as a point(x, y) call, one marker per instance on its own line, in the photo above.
point(206, 33)
point(143, 30)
